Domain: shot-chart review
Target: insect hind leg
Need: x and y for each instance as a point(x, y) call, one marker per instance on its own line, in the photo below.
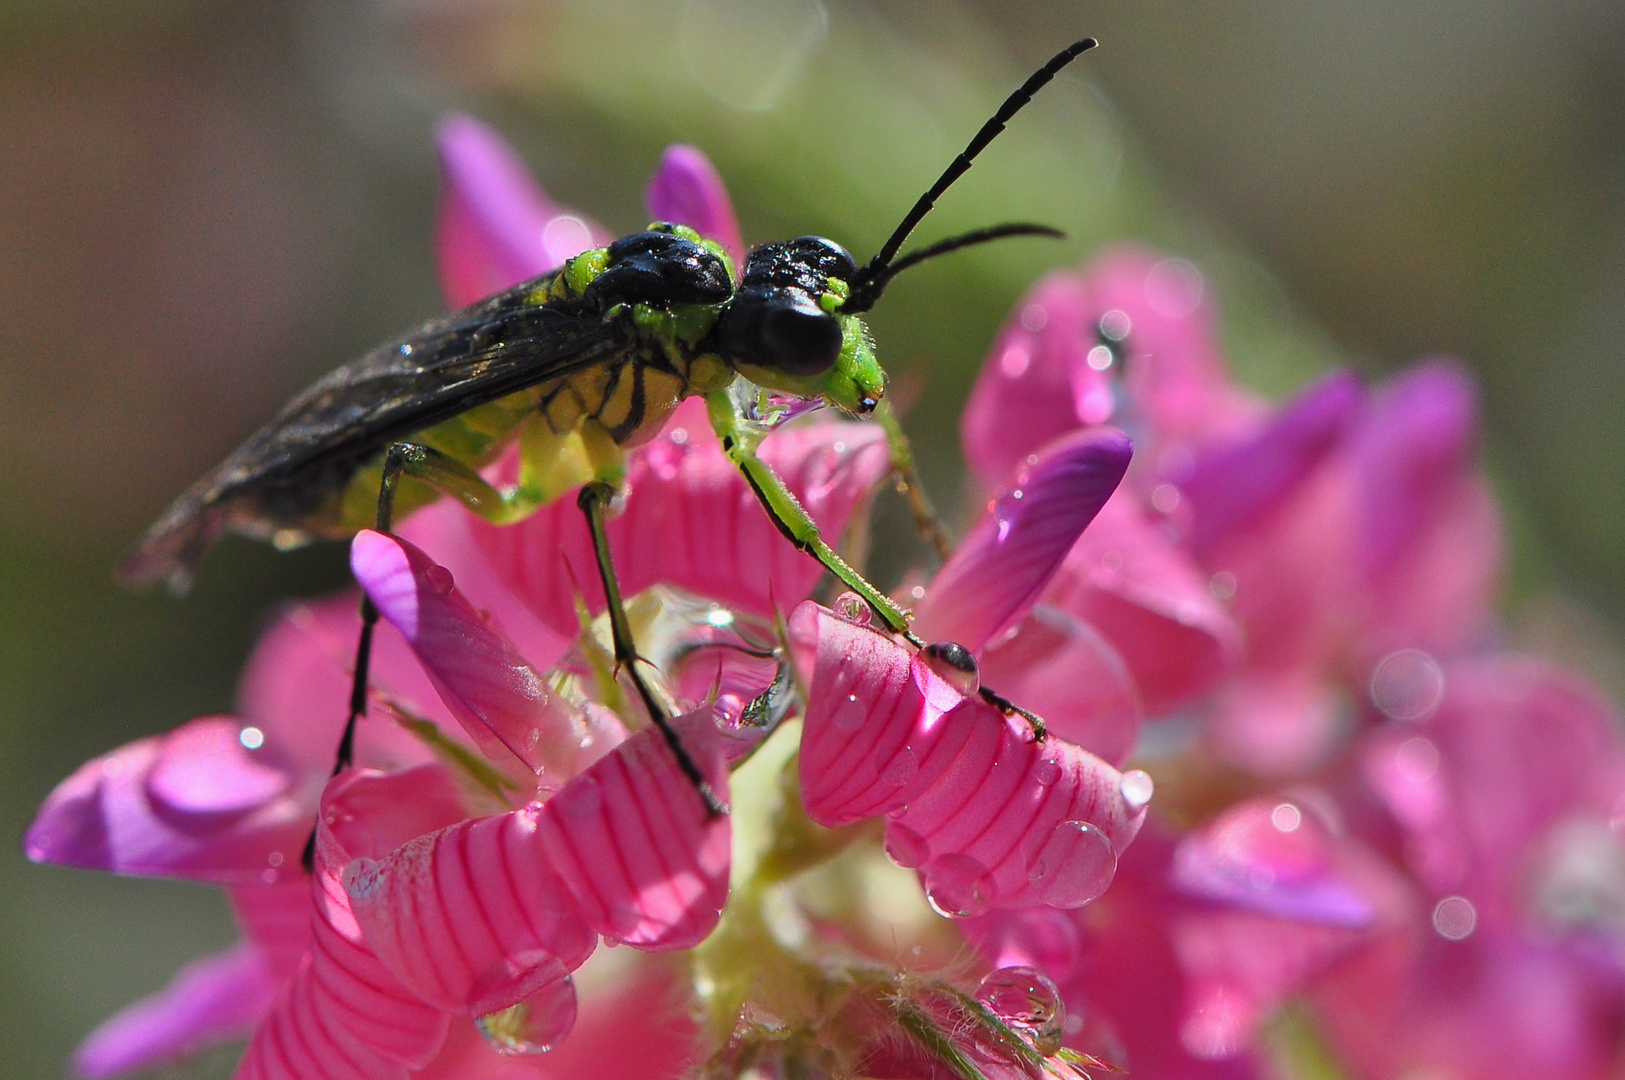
point(593, 500)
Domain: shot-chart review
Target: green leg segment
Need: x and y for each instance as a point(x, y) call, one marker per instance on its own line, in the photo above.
point(739, 442)
point(926, 521)
point(593, 500)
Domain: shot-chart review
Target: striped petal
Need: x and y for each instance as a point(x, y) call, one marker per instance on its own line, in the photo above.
point(687, 189)
point(1011, 554)
point(873, 713)
point(450, 913)
point(497, 227)
point(633, 841)
point(1012, 822)
point(500, 700)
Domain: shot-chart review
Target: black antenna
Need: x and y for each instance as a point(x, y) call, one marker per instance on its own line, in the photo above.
point(874, 285)
point(870, 280)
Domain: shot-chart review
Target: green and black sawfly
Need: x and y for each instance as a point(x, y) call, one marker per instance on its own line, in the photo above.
point(576, 366)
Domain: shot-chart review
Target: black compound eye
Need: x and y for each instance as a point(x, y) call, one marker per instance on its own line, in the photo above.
point(802, 338)
point(782, 329)
point(830, 258)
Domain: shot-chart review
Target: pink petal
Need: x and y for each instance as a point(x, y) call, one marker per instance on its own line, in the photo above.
point(634, 843)
point(687, 190)
point(499, 699)
point(1011, 822)
point(1231, 486)
point(1063, 670)
point(209, 1001)
point(449, 913)
point(497, 227)
point(691, 521)
point(1419, 438)
point(1274, 857)
point(1279, 723)
point(1143, 594)
point(305, 1038)
point(1025, 396)
point(1003, 565)
point(874, 713)
point(275, 918)
point(156, 806)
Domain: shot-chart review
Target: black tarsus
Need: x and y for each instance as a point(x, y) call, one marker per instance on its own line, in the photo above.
point(593, 499)
point(871, 279)
point(395, 459)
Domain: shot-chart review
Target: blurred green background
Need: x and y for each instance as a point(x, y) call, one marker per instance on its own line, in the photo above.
point(203, 205)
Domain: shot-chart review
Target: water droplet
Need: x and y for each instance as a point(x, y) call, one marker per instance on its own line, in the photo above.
point(958, 886)
point(850, 715)
point(1174, 288)
point(1046, 771)
point(1100, 357)
point(954, 664)
point(439, 579)
point(1455, 918)
point(1013, 361)
point(1136, 787)
point(1286, 817)
point(1407, 685)
point(252, 738)
point(852, 608)
point(1222, 586)
point(1026, 1000)
point(274, 859)
point(1115, 325)
point(1165, 498)
point(678, 435)
point(524, 1004)
point(906, 847)
point(902, 768)
point(269, 876)
point(1034, 317)
point(1074, 865)
point(719, 616)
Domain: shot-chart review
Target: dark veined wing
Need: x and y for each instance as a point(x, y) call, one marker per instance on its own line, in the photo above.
point(312, 448)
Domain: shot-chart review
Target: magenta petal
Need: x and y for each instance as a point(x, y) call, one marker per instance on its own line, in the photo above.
point(1418, 441)
point(1231, 487)
point(1035, 379)
point(1006, 561)
point(1066, 672)
point(691, 521)
point(497, 227)
point(209, 1001)
point(1273, 857)
point(645, 860)
point(1144, 595)
point(110, 815)
point(687, 190)
point(446, 911)
point(1010, 822)
point(499, 699)
point(874, 712)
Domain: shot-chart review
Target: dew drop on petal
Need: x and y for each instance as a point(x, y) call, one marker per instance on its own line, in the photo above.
point(954, 665)
point(252, 738)
point(439, 579)
point(850, 714)
point(906, 847)
point(1136, 787)
point(902, 768)
point(541, 1007)
point(1407, 685)
point(1026, 1000)
point(958, 886)
point(852, 608)
point(1455, 918)
point(1100, 357)
point(1115, 325)
point(1046, 771)
point(1074, 865)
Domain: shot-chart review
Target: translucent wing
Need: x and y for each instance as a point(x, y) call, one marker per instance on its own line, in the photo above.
point(295, 463)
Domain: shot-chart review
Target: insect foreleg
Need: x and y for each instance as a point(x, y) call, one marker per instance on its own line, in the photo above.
point(789, 515)
point(593, 499)
point(926, 521)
